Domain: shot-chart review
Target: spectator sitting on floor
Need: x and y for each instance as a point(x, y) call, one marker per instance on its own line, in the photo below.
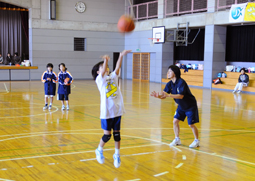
point(242, 81)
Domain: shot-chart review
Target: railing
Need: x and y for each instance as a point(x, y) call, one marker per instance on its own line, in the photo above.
point(226, 4)
point(145, 11)
point(180, 7)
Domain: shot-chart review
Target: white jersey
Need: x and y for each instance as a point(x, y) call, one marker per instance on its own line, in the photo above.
point(111, 99)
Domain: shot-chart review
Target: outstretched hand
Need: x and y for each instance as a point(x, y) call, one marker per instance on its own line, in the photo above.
point(157, 95)
point(124, 52)
point(105, 57)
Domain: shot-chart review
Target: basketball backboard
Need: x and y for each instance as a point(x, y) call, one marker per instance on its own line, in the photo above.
point(158, 34)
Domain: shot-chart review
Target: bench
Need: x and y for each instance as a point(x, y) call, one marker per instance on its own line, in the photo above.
point(232, 79)
point(13, 67)
point(192, 77)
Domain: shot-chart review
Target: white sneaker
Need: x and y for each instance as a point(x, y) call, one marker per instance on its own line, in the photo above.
point(67, 108)
point(63, 107)
point(50, 107)
point(239, 92)
point(100, 156)
point(195, 144)
point(234, 91)
point(175, 142)
point(45, 107)
point(116, 160)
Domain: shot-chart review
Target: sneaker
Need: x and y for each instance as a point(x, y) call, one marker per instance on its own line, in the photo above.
point(234, 91)
point(63, 107)
point(238, 92)
point(194, 144)
point(100, 156)
point(175, 142)
point(67, 108)
point(50, 107)
point(45, 107)
point(116, 160)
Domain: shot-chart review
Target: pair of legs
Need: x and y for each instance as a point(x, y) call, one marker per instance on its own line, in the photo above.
point(106, 132)
point(63, 103)
point(46, 99)
point(63, 98)
point(177, 129)
point(239, 86)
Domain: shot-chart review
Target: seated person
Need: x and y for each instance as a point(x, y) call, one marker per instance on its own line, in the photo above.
point(8, 60)
point(242, 81)
point(1, 59)
point(16, 58)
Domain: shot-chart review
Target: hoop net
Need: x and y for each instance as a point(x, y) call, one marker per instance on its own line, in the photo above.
point(153, 40)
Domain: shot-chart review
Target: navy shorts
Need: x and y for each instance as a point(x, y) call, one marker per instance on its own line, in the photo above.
point(111, 123)
point(192, 115)
point(63, 97)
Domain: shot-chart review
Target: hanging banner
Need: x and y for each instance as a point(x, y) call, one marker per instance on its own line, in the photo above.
point(236, 13)
point(250, 12)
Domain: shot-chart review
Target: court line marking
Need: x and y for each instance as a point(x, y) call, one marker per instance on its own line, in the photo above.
point(33, 115)
point(71, 153)
point(134, 179)
point(163, 173)
point(178, 166)
point(66, 131)
point(213, 154)
point(7, 91)
point(184, 157)
point(6, 179)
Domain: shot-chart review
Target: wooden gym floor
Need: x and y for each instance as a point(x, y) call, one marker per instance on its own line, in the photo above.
point(59, 145)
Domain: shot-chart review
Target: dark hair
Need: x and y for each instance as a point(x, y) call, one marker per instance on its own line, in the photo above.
point(16, 53)
point(95, 69)
point(176, 71)
point(49, 65)
point(62, 65)
point(242, 69)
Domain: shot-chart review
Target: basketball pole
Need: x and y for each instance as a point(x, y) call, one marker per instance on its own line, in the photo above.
point(132, 10)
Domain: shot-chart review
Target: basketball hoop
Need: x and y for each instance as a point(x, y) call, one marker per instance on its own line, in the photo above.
point(153, 40)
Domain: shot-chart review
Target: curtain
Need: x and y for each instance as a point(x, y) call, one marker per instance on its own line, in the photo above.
point(193, 51)
point(12, 34)
point(240, 44)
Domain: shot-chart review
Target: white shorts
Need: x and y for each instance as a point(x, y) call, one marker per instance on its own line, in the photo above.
point(49, 95)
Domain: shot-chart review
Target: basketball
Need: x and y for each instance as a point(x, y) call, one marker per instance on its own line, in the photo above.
point(66, 80)
point(126, 24)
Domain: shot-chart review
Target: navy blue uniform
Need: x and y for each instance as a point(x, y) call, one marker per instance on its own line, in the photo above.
point(187, 106)
point(49, 86)
point(62, 88)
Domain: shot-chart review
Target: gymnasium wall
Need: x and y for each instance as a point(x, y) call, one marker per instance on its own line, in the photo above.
point(160, 54)
point(53, 40)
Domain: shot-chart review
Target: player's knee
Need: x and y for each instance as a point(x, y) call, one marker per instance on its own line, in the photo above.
point(175, 121)
point(116, 136)
point(106, 137)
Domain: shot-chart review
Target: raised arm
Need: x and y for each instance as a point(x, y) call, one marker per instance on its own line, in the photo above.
point(105, 58)
point(119, 62)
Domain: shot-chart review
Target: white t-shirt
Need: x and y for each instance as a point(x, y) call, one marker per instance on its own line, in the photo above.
point(111, 99)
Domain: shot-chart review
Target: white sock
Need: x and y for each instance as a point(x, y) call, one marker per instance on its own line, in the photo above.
point(100, 148)
point(117, 151)
point(177, 138)
point(196, 139)
point(50, 104)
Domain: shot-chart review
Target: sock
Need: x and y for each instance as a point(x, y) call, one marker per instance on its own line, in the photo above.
point(177, 138)
point(117, 151)
point(196, 139)
point(46, 104)
point(100, 148)
point(50, 104)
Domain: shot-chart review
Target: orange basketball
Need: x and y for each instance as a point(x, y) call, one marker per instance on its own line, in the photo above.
point(66, 80)
point(126, 24)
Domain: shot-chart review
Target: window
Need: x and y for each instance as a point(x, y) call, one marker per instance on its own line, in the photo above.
point(79, 44)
